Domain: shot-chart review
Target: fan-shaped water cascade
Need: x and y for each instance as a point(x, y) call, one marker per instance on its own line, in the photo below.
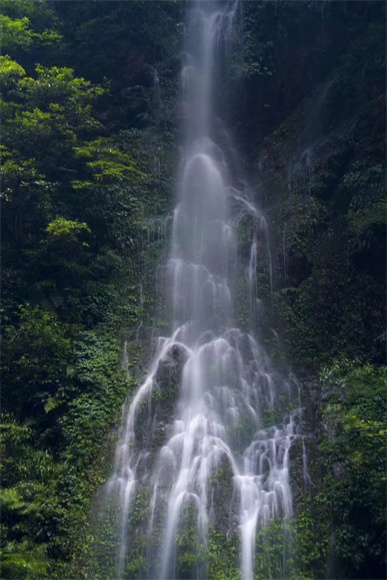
point(224, 377)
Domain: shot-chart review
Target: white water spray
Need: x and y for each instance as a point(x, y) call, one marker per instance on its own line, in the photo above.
point(227, 387)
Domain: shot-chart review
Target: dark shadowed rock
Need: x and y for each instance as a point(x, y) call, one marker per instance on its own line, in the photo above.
point(175, 359)
point(157, 412)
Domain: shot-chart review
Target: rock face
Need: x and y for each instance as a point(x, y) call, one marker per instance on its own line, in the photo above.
point(154, 416)
point(171, 366)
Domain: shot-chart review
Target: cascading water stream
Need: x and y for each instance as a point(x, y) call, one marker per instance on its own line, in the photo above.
point(226, 379)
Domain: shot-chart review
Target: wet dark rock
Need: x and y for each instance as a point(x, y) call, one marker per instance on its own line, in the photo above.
point(225, 509)
point(157, 412)
point(175, 359)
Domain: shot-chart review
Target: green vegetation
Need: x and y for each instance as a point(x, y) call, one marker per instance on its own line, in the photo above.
point(223, 556)
point(89, 130)
point(323, 187)
point(322, 173)
point(352, 439)
point(339, 527)
point(76, 198)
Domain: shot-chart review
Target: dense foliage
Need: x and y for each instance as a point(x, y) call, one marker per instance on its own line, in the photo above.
point(89, 125)
point(316, 140)
point(79, 184)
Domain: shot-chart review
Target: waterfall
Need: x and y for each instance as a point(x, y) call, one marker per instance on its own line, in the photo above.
point(224, 418)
